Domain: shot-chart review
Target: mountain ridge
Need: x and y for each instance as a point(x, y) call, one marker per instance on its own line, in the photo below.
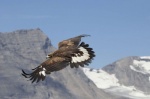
point(127, 77)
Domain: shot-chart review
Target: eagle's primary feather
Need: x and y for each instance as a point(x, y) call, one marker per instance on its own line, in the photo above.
point(70, 52)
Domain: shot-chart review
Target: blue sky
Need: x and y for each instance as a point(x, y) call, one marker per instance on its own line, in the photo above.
point(118, 28)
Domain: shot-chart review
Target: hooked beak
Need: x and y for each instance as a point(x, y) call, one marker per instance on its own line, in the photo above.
point(47, 57)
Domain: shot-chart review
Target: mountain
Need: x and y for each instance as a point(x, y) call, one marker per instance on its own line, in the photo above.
point(128, 77)
point(26, 49)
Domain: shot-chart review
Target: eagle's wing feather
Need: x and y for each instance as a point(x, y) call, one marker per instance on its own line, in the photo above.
point(50, 65)
point(72, 42)
point(57, 64)
point(83, 56)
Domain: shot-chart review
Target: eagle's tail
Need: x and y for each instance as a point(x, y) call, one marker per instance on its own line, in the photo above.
point(83, 56)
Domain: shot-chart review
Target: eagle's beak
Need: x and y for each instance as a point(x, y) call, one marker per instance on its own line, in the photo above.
point(47, 57)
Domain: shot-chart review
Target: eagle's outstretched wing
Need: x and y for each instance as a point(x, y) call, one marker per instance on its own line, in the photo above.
point(71, 42)
point(50, 65)
point(71, 52)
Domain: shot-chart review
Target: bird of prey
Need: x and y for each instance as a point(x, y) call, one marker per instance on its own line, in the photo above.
point(71, 52)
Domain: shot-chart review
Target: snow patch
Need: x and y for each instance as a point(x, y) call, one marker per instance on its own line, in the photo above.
point(101, 78)
point(110, 83)
point(128, 91)
point(140, 71)
point(138, 93)
point(145, 57)
point(141, 66)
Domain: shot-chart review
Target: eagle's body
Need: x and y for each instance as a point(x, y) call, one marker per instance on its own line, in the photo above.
point(70, 52)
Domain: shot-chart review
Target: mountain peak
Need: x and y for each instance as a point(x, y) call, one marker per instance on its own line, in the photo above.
point(129, 77)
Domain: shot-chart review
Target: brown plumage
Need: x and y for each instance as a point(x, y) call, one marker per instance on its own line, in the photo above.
point(70, 52)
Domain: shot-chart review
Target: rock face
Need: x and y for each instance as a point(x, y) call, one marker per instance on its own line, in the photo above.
point(26, 49)
point(128, 77)
point(130, 72)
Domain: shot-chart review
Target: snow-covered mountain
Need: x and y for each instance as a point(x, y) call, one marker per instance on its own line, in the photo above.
point(26, 49)
point(129, 77)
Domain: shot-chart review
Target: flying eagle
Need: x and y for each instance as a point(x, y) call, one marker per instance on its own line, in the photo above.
point(70, 52)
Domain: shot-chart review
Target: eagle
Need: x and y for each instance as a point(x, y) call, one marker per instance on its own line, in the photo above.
point(71, 52)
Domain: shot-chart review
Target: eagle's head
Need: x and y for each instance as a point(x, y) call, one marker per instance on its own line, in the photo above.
point(48, 56)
